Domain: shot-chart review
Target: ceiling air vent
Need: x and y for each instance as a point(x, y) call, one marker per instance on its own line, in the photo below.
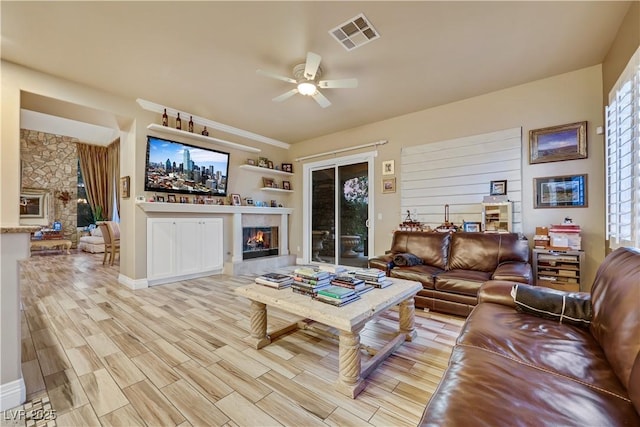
point(355, 32)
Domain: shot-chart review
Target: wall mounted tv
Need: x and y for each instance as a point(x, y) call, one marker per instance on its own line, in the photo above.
point(174, 167)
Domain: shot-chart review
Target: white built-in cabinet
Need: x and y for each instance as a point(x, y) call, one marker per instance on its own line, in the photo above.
point(183, 248)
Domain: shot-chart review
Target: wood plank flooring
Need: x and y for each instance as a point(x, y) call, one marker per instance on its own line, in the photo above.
point(176, 354)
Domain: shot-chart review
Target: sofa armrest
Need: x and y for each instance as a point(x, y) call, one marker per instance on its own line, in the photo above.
point(382, 262)
point(514, 271)
point(497, 292)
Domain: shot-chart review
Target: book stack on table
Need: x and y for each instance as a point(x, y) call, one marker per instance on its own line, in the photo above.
point(337, 295)
point(373, 276)
point(309, 280)
point(274, 280)
point(350, 282)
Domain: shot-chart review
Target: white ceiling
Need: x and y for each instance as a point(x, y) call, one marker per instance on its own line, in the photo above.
point(202, 57)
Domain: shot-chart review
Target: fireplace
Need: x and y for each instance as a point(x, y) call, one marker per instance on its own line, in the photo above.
point(259, 242)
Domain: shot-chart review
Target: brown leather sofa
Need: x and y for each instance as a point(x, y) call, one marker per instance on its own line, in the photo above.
point(454, 265)
point(511, 369)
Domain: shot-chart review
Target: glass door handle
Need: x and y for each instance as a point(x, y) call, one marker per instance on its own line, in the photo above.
point(366, 223)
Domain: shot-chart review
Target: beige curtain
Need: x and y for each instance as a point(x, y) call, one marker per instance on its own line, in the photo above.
point(100, 168)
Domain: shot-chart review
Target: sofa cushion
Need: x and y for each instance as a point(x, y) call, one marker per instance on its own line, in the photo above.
point(433, 248)
point(563, 350)
point(616, 318)
point(419, 273)
point(466, 282)
point(515, 271)
point(482, 388)
point(484, 252)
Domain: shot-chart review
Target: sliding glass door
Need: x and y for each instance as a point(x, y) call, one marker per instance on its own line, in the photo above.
point(338, 211)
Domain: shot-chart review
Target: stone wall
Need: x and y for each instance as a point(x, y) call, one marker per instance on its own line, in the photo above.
point(50, 162)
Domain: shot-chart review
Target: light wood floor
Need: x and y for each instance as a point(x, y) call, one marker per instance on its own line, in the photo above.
point(175, 355)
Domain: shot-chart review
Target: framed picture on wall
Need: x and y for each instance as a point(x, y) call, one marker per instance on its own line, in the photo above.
point(568, 191)
point(557, 143)
point(388, 167)
point(125, 184)
point(389, 185)
point(498, 188)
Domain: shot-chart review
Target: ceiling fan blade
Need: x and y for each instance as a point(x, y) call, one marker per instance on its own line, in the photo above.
point(321, 99)
point(285, 95)
point(335, 84)
point(312, 65)
point(276, 76)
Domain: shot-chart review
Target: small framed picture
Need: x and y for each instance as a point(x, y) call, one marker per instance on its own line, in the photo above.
point(388, 167)
point(471, 227)
point(171, 198)
point(287, 167)
point(263, 162)
point(286, 185)
point(498, 188)
point(160, 199)
point(125, 184)
point(274, 204)
point(268, 182)
point(249, 201)
point(251, 162)
point(389, 185)
point(270, 164)
point(235, 200)
point(184, 199)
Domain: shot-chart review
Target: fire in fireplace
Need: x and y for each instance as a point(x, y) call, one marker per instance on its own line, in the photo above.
point(259, 242)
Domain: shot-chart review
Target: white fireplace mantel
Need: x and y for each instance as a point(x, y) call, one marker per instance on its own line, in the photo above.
point(188, 209)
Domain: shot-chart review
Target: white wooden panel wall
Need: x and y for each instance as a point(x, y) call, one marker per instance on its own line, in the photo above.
point(458, 172)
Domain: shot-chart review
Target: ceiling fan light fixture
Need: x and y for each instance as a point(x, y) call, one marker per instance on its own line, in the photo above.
point(307, 88)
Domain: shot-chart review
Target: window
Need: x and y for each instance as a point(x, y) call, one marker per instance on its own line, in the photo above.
point(85, 215)
point(623, 158)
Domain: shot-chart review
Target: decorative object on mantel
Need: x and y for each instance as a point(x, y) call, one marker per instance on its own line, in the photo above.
point(205, 132)
point(178, 122)
point(235, 200)
point(287, 167)
point(165, 118)
point(557, 143)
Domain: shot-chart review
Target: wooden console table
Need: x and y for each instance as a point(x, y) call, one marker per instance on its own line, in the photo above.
point(51, 244)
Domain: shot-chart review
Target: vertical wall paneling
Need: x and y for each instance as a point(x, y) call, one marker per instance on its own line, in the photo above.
point(458, 172)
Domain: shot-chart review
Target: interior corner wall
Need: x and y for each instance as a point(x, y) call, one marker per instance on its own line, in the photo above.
point(562, 99)
point(623, 47)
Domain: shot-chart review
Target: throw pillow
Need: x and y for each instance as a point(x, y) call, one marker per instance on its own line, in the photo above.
point(551, 304)
point(406, 259)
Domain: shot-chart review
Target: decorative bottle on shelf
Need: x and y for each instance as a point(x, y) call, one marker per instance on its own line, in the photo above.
point(165, 118)
point(191, 124)
point(205, 132)
point(178, 122)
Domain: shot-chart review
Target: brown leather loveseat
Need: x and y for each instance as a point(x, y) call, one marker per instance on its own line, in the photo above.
point(511, 368)
point(455, 265)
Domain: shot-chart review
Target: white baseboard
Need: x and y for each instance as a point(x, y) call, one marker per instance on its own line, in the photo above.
point(12, 394)
point(133, 283)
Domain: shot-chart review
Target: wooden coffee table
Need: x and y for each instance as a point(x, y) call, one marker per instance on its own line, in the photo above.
point(51, 244)
point(349, 320)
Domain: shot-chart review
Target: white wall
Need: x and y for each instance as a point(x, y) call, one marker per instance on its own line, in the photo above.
point(567, 98)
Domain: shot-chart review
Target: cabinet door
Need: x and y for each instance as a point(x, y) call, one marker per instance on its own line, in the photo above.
point(189, 238)
point(212, 244)
point(161, 248)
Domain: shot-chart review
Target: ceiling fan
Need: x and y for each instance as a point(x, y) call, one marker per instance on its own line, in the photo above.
point(306, 78)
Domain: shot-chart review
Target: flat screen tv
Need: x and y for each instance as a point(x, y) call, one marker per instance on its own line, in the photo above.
point(175, 167)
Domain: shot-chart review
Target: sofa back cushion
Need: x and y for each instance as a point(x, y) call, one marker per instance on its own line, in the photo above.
point(484, 251)
point(615, 297)
point(432, 248)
